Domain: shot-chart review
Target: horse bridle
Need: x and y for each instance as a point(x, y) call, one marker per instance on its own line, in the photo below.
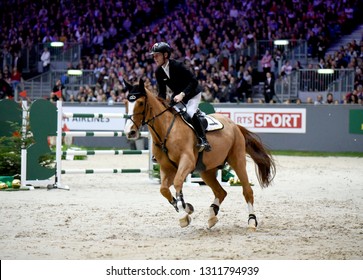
point(150, 122)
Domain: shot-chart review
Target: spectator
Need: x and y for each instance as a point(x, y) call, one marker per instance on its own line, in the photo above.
point(354, 99)
point(360, 94)
point(81, 94)
point(90, 94)
point(329, 98)
point(7, 58)
point(45, 58)
point(269, 87)
point(98, 41)
point(249, 100)
point(244, 87)
point(15, 79)
point(286, 69)
point(266, 62)
point(6, 91)
point(57, 92)
point(18, 62)
point(319, 100)
point(309, 101)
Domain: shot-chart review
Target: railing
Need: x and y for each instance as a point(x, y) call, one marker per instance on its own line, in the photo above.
point(70, 52)
point(308, 82)
point(73, 82)
point(286, 87)
point(42, 85)
point(30, 56)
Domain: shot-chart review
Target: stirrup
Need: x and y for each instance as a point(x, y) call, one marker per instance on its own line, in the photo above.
point(204, 146)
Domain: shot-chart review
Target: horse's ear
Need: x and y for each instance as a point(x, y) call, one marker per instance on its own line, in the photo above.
point(142, 86)
point(128, 86)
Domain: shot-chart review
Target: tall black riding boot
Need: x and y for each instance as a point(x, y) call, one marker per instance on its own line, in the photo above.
point(198, 126)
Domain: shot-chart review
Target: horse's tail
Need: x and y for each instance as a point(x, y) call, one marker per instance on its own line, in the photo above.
point(261, 156)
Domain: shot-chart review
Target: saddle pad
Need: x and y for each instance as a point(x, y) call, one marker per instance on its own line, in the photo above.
point(213, 123)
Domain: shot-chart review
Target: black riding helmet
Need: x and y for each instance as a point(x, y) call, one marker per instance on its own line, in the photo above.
point(161, 47)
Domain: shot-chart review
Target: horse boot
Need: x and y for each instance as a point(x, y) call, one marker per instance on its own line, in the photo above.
point(199, 129)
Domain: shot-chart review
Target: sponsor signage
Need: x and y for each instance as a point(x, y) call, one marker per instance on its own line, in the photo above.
point(266, 120)
point(94, 124)
point(269, 120)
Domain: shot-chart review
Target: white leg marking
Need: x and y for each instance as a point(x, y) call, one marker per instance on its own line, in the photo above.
point(250, 208)
point(212, 215)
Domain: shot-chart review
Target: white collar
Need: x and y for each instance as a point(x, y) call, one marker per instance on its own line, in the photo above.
point(166, 68)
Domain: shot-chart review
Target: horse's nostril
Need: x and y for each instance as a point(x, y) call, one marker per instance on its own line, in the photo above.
point(132, 134)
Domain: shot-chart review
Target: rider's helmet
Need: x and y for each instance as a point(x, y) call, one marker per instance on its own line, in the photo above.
point(161, 47)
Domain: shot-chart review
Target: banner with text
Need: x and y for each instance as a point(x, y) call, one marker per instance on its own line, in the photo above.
point(95, 124)
point(266, 120)
point(269, 120)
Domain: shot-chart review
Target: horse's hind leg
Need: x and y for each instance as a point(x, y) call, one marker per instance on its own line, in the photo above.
point(239, 166)
point(209, 177)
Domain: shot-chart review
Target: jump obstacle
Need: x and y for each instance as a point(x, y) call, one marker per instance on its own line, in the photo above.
point(59, 171)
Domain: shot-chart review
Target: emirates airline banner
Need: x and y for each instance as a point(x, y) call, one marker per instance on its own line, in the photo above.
point(94, 124)
point(269, 120)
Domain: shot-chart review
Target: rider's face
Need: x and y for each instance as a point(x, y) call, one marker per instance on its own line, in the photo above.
point(159, 58)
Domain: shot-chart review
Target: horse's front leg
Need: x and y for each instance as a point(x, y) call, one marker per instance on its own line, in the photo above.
point(185, 209)
point(167, 179)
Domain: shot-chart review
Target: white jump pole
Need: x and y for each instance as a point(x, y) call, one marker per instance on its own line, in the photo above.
point(23, 159)
point(99, 133)
point(58, 149)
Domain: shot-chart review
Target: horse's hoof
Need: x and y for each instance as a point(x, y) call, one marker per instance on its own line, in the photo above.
point(189, 208)
point(185, 221)
point(212, 221)
point(251, 228)
point(252, 221)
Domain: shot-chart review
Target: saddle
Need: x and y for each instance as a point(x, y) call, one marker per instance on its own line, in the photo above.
point(209, 123)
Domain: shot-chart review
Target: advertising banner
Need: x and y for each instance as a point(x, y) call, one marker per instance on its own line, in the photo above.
point(269, 120)
point(94, 124)
point(266, 120)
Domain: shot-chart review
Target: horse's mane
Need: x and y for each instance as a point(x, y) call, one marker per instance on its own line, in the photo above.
point(164, 102)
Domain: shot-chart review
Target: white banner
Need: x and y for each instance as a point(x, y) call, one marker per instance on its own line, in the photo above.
point(94, 124)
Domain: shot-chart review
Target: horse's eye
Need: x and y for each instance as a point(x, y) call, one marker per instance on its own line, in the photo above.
point(141, 103)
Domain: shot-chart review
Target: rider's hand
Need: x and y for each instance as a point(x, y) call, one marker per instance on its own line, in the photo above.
point(179, 97)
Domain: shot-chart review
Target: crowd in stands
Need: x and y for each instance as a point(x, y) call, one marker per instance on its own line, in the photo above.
point(116, 37)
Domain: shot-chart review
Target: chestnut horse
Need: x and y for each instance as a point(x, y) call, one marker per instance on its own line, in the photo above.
point(175, 149)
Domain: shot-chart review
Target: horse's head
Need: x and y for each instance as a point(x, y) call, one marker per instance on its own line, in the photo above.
point(135, 108)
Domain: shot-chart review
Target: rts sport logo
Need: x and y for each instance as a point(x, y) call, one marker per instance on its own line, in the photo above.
point(276, 120)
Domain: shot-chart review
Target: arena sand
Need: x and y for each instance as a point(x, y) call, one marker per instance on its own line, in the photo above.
point(313, 211)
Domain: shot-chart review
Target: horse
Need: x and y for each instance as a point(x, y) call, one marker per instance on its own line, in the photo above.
point(175, 149)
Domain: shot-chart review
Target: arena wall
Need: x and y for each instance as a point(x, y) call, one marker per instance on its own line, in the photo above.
point(328, 128)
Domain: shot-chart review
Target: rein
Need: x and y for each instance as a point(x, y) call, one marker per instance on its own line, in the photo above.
point(150, 123)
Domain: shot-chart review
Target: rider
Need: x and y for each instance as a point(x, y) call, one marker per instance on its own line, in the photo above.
point(183, 83)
